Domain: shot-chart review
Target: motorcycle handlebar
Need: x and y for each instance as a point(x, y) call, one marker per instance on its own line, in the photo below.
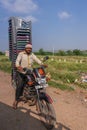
point(44, 65)
point(26, 70)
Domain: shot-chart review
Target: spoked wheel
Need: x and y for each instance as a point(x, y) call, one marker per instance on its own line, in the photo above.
point(32, 102)
point(47, 114)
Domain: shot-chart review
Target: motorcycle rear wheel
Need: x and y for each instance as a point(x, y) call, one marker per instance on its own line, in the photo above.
point(47, 114)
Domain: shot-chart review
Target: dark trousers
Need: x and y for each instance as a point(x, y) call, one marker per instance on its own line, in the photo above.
point(20, 82)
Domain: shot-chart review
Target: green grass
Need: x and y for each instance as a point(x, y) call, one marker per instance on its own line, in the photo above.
point(60, 85)
point(5, 64)
point(67, 72)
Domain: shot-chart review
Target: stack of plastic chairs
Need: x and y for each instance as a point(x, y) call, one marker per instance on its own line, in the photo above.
point(19, 36)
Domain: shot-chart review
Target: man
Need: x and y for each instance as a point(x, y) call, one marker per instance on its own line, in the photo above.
point(24, 59)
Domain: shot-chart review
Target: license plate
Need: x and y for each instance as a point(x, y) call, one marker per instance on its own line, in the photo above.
point(41, 86)
point(38, 87)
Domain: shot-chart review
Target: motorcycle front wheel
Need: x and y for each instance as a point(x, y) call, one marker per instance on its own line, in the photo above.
point(32, 102)
point(47, 114)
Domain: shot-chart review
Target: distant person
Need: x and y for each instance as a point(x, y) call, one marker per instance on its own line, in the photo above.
point(24, 59)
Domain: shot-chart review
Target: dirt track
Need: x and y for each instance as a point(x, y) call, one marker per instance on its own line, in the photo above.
point(70, 107)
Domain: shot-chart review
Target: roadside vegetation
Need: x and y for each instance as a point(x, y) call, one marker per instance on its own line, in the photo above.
point(66, 70)
point(5, 64)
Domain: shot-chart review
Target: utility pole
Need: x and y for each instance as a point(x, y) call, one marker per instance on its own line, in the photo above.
point(53, 51)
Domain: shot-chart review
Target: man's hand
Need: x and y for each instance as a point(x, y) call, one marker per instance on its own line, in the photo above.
point(19, 68)
point(45, 66)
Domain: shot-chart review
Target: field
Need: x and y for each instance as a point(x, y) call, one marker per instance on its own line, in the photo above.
point(66, 71)
point(5, 64)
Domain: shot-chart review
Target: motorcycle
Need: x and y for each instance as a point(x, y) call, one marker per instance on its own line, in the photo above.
point(35, 94)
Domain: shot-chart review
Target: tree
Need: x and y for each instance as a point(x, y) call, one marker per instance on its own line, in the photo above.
point(1, 53)
point(69, 52)
point(61, 53)
point(41, 51)
point(77, 52)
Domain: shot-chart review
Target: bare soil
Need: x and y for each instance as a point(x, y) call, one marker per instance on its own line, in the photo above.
point(70, 108)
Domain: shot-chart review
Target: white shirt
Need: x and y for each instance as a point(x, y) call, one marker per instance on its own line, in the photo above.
point(26, 61)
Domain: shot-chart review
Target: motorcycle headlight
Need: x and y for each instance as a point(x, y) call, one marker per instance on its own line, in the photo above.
point(41, 80)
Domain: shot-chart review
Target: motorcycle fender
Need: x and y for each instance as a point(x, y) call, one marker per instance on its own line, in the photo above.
point(46, 97)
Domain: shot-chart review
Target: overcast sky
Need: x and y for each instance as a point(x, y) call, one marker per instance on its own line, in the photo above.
point(58, 24)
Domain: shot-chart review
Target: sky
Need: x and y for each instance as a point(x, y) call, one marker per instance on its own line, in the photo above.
point(56, 24)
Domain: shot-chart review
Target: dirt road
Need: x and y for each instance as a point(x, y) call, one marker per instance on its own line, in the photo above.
point(70, 107)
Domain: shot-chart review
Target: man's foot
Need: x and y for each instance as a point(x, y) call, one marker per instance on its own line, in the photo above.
point(15, 104)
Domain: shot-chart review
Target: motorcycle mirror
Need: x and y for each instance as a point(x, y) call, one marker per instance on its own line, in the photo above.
point(45, 58)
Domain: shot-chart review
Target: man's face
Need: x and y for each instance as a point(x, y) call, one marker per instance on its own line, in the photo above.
point(28, 50)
